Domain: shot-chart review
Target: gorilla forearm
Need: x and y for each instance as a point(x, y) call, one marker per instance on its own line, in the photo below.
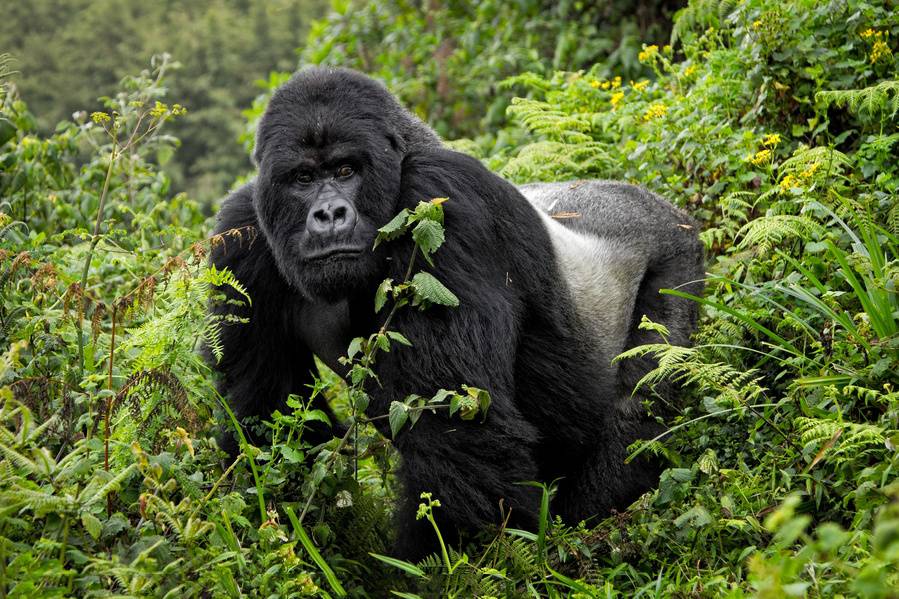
point(263, 360)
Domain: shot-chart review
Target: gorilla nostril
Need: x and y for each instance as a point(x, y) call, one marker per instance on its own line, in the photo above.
point(322, 216)
point(331, 217)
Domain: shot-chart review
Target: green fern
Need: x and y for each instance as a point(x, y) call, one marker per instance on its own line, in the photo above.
point(686, 365)
point(555, 124)
point(878, 100)
point(768, 232)
point(552, 161)
point(699, 15)
point(849, 439)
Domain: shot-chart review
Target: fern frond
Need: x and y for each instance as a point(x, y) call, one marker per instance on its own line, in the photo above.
point(686, 365)
point(770, 231)
point(547, 120)
point(882, 98)
point(554, 161)
point(111, 485)
point(820, 159)
point(851, 439)
point(893, 219)
point(699, 15)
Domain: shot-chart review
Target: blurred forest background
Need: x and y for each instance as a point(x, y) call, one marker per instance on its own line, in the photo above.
point(70, 52)
point(775, 123)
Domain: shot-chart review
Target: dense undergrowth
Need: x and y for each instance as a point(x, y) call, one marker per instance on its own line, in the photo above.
point(774, 123)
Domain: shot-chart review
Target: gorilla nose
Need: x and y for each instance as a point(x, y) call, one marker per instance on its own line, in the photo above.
point(331, 217)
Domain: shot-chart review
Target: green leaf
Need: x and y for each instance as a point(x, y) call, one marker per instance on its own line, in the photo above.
point(355, 347)
point(399, 338)
point(441, 396)
point(316, 415)
point(91, 524)
point(397, 416)
point(393, 229)
point(381, 294)
point(314, 554)
point(481, 395)
point(428, 235)
point(429, 210)
point(402, 565)
point(382, 342)
point(431, 290)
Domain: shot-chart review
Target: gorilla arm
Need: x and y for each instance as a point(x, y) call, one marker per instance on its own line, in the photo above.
point(470, 466)
point(264, 360)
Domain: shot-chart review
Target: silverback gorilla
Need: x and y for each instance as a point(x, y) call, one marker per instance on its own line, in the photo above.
point(545, 304)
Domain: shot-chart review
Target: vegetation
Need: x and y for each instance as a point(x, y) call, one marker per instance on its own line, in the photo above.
point(774, 123)
point(69, 52)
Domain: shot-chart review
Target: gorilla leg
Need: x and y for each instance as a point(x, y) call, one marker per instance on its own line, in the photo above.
point(602, 481)
point(470, 467)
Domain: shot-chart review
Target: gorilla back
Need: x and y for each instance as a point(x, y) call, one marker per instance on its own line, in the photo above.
point(545, 304)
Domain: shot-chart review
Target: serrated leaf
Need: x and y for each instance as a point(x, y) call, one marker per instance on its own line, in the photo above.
point(381, 294)
point(91, 524)
point(399, 338)
point(441, 396)
point(355, 347)
point(428, 236)
point(382, 342)
point(397, 416)
point(393, 229)
point(428, 211)
point(431, 290)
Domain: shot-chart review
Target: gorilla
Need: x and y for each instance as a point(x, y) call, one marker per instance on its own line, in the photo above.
point(545, 305)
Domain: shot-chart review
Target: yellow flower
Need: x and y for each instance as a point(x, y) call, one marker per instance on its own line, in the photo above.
point(616, 98)
point(788, 183)
point(594, 84)
point(641, 85)
point(757, 24)
point(879, 51)
point(159, 110)
point(655, 111)
point(178, 110)
point(810, 171)
point(868, 33)
point(648, 53)
point(99, 117)
point(760, 157)
point(771, 140)
point(605, 85)
point(689, 70)
point(616, 82)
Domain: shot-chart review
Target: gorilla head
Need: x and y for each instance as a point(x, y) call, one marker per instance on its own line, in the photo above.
point(329, 149)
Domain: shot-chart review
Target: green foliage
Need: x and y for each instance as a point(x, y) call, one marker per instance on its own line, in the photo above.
point(773, 123)
point(69, 52)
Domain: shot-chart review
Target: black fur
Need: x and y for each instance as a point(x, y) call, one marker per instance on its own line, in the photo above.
point(560, 409)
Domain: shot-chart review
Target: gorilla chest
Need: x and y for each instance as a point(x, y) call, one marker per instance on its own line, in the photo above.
point(325, 329)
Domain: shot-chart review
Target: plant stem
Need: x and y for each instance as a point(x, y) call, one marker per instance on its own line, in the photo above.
point(95, 239)
point(328, 464)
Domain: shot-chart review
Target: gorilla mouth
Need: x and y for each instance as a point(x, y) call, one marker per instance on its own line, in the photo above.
point(336, 252)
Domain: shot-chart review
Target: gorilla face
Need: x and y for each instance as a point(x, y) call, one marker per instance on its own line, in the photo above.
point(329, 176)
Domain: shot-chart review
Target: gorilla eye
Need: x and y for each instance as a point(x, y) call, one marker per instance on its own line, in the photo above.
point(344, 171)
point(304, 177)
